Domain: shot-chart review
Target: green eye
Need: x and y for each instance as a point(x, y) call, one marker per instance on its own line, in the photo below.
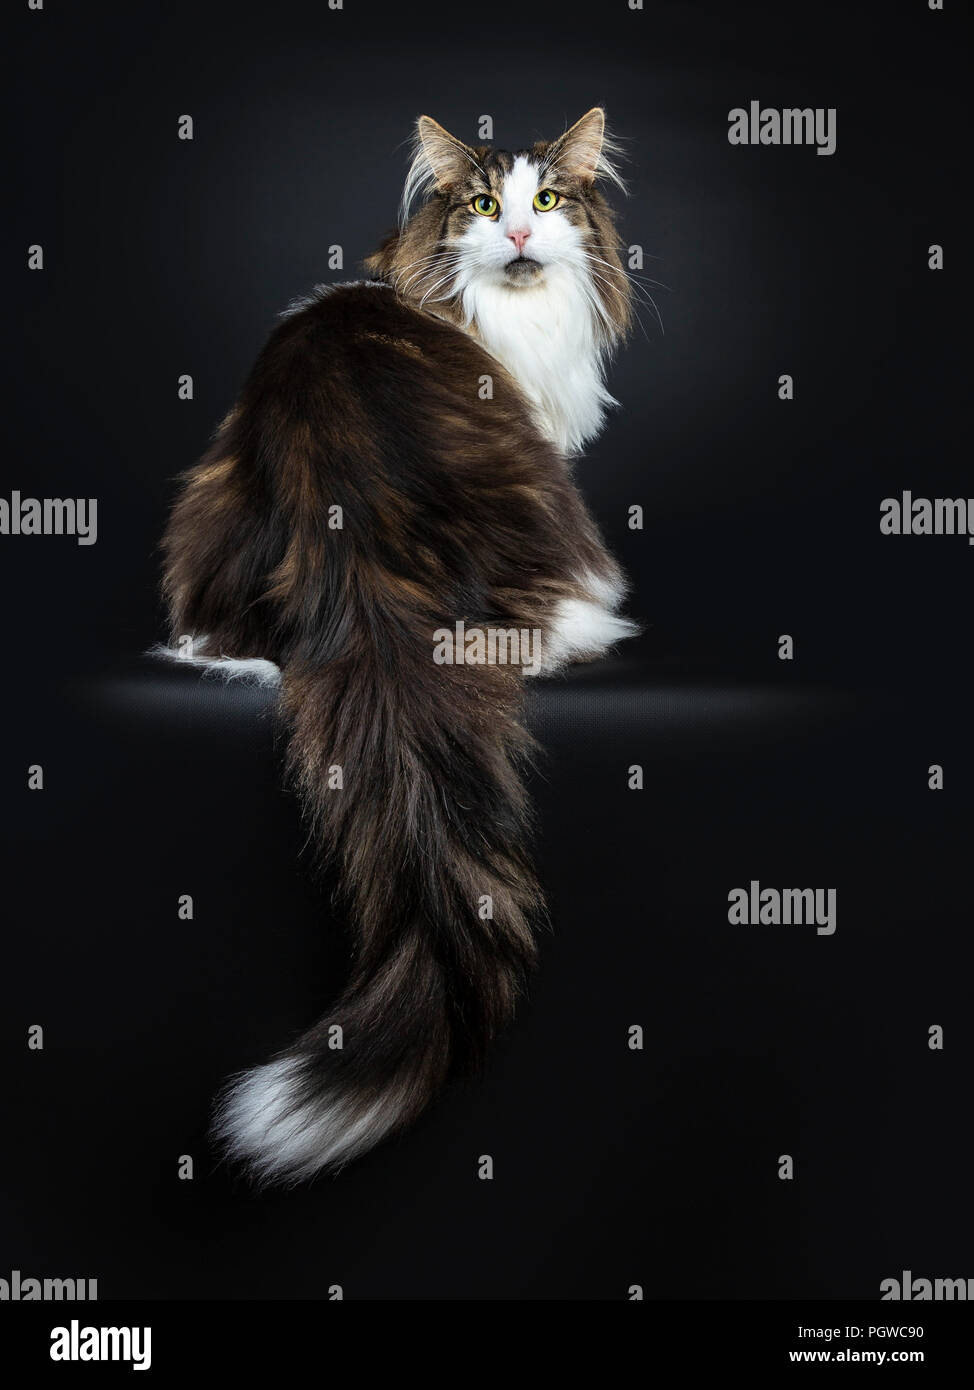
point(546, 199)
point(485, 205)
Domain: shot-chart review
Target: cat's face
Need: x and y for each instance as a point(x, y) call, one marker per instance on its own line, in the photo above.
point(523, 223)
point(511, 216)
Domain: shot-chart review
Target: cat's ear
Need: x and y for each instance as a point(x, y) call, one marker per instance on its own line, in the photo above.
point(439, 160)
point(585, 150)
point(448, 158)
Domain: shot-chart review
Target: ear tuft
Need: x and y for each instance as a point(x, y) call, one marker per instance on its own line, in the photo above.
point(439, 160)
point(586, 150)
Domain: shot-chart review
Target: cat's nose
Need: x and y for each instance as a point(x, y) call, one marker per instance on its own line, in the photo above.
point(519, 238)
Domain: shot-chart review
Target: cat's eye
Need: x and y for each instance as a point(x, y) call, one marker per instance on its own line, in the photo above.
point(546, 199)
point(485, 205)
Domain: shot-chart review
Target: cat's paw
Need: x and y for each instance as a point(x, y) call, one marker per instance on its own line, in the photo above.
point(582, 629)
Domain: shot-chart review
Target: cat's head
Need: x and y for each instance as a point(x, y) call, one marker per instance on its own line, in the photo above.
point(515, 223)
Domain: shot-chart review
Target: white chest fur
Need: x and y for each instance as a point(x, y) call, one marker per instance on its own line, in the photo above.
point(544, 335)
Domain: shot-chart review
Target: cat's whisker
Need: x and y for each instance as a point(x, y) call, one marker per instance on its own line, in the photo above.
point(414, 269)
point(620, 269)
point(451, 275)
point(432, 258)
point(636, 291)
point(630, 274)
point(415, 282)
point(618, 249)
point(614, 289)
point(452, 263)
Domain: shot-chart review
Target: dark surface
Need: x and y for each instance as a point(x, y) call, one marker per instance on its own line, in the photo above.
point(612, 1167)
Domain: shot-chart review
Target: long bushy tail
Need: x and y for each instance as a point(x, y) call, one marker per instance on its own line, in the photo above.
point(409, 773)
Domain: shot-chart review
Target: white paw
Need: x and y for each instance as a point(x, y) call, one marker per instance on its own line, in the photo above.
point(585, 628)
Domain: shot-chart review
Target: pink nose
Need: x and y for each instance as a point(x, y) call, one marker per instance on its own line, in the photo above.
point(519, 238)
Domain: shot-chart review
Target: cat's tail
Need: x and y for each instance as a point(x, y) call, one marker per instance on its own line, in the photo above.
point(409, 771)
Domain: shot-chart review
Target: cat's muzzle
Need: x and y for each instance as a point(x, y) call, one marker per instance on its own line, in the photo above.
point(522, 270)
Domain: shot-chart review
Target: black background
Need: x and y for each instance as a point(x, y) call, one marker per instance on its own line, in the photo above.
point(613, 1167)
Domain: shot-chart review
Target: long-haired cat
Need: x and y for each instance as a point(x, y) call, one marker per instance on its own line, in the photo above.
point(397, 464)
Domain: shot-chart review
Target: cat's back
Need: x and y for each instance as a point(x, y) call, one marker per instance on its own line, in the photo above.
point(362, 338)
point(359, 377)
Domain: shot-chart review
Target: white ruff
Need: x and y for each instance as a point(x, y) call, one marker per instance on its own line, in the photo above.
point(545, 336)
point(546, 332)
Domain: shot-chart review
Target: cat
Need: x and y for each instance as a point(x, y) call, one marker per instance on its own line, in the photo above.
point(398, 464)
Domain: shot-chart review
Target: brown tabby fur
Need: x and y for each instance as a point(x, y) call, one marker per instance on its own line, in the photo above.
point(453, 507)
